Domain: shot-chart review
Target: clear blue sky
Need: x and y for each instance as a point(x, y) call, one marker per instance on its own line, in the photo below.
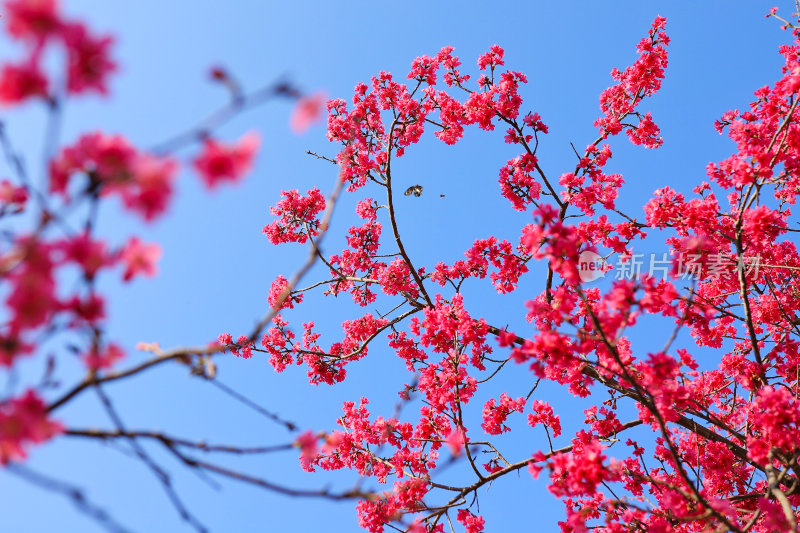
point(217, 266)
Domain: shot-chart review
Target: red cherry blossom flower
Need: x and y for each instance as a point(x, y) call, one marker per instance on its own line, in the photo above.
point(140, 258)
point(219, 162)
point(307, 111)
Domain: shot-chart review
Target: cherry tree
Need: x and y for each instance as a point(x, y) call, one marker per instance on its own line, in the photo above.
point(55, 263)
point(724, 452)
point(700, 436)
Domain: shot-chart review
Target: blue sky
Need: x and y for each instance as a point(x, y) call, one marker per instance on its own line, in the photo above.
point(217, 266)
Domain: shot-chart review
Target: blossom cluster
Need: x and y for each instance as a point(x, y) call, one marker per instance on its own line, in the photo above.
point(52, 256)
point(39, 25)
point(721, 452)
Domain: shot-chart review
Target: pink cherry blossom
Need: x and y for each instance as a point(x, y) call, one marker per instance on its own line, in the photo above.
point(307, 442)
point(24, 421)
point(307, 111)
point(220, 162)
point(21, 82)
point(32, 20)
point(140, 259)
point(89, 59)
point(102, 359)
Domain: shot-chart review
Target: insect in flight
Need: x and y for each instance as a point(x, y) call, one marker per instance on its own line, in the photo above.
point(416, 190)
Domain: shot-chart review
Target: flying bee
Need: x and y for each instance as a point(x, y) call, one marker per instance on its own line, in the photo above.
point(416, 190)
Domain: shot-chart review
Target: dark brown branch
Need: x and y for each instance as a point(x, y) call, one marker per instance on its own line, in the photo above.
point(238, 104)
point(161, 474)
point(168, 440)
point(74, 494)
